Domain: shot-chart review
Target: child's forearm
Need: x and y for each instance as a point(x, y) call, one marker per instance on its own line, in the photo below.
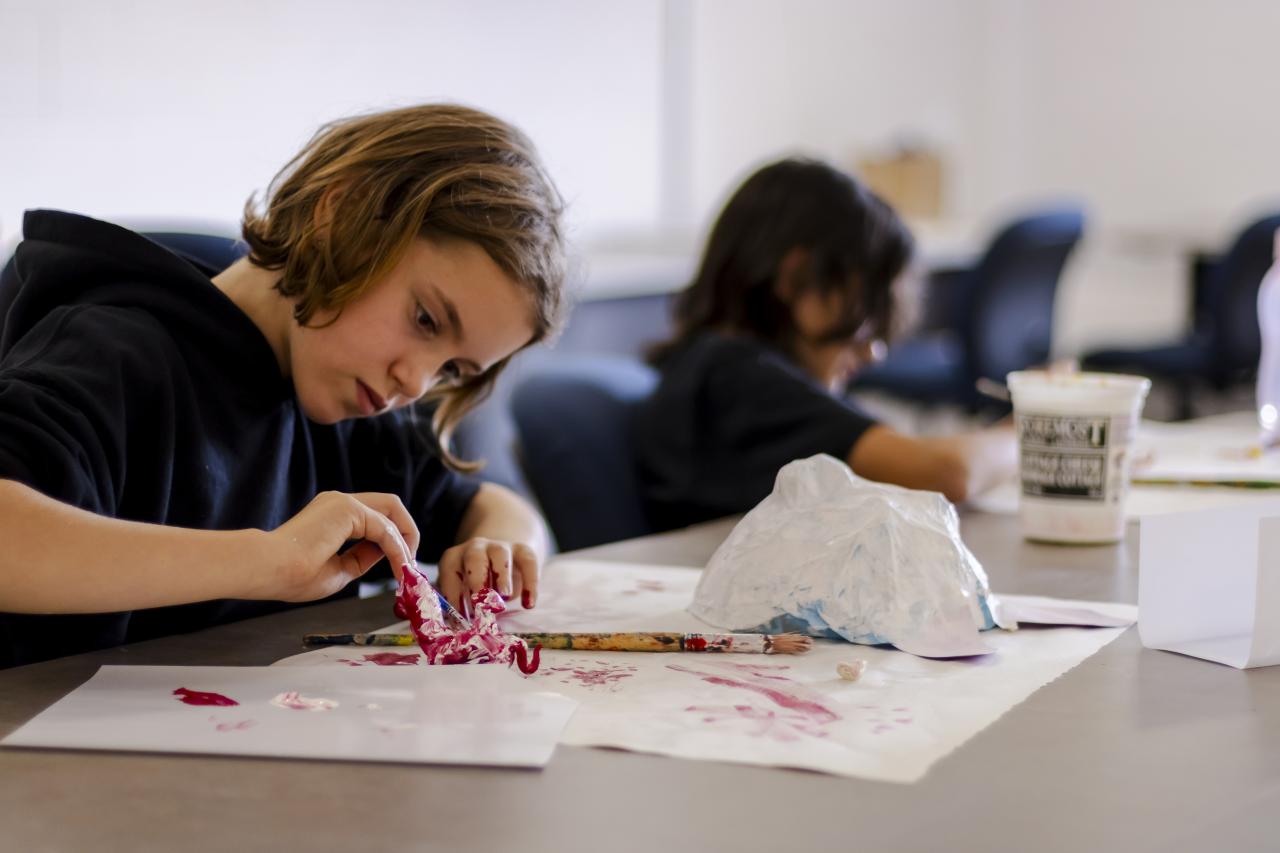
point(60, 559)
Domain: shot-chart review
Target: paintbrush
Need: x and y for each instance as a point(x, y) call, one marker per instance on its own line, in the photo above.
point(625, 641)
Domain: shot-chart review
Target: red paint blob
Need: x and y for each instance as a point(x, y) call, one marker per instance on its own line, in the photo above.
point(695, 644)
point(393, 659)
point(197, 697)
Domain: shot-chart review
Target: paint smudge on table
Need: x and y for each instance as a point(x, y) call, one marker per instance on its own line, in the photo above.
point(199, 697)
point(295, 701)
point(590, 673)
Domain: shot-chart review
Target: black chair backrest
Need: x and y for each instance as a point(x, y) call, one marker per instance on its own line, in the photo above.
point(574, 420)
point(1232, 300)
point(1009, 320)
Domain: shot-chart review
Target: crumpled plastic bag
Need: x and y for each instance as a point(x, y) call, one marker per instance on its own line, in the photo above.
point(830, 554)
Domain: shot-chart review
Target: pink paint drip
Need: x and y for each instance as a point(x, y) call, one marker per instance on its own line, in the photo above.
point(483, 642)
point(199, 697)
point(814, 711)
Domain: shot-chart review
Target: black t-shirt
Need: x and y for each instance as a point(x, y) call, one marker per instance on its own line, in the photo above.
point(132, 387)
point(728, 413)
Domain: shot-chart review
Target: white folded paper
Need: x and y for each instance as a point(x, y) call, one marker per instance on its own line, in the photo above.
point(1209, 584)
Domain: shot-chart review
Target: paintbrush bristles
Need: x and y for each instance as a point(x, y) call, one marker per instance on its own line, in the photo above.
point(788, 644)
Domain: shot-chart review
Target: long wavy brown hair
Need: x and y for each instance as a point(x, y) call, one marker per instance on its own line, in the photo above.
point(854, 243)
point(341, 213)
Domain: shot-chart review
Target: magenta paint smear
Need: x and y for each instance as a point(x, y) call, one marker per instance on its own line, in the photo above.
point(814, 711)
point(592, 674)
point(759, 670)
point(770, 724)
point(393, 659)
point(483, 642)
point(199, 697)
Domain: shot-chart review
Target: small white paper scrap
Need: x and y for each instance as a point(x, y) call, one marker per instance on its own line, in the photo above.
point(479, 715)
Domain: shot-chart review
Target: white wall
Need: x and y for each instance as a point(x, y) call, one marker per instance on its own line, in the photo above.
point(176, 108)
point(829, 78)
point(1161, 115)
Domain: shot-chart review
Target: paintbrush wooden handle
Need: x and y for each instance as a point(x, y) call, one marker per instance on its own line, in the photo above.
point(610, 642)
point(626, 641)
point(359, 639)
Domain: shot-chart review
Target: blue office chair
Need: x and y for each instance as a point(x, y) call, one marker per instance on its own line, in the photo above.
point(1224, 344)
point(574, 421)
point(209, 253)
point(1003, 320)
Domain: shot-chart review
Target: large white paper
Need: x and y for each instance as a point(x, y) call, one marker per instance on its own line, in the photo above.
point(1209, 584)
point(1221, 449)
point(901, 716)
point(428, 715)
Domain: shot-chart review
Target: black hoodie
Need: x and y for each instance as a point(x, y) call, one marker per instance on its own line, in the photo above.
point(132, 387)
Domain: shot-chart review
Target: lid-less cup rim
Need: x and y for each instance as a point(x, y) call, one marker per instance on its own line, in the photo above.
point(1092, 381)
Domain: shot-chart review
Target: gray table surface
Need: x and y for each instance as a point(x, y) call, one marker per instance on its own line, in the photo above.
point(1132, 750)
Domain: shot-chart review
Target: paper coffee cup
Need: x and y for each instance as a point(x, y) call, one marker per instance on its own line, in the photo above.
point(1075, 431)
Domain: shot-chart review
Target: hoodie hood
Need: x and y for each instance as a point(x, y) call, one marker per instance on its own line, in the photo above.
point(67, 259)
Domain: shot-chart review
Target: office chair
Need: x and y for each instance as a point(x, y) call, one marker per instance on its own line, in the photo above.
point(573, 419)
point(209, 253)
point(1004, 319)
point(1224, 344)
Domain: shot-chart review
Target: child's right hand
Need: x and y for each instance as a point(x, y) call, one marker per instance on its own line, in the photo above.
point(306, 558)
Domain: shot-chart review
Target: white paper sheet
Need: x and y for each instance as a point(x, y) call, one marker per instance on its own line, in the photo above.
point(901, 716)
point(427, 715)
point(1209, 584)
point(1223, 448)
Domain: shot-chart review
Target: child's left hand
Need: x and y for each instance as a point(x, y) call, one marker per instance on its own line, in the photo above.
point(511, 569)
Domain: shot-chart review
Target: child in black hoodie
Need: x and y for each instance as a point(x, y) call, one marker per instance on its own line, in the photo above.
point(178, 451)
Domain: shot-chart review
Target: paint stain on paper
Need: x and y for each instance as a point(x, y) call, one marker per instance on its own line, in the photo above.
point(759, 670)
point(643, 585)
point(810, 709)
point(235, 727)
point(199, 697)
point(295, 701)
point(773, 725)
point(591, 673)
point(394, 659)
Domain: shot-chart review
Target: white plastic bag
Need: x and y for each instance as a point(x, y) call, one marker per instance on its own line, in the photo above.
point(833, 555)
